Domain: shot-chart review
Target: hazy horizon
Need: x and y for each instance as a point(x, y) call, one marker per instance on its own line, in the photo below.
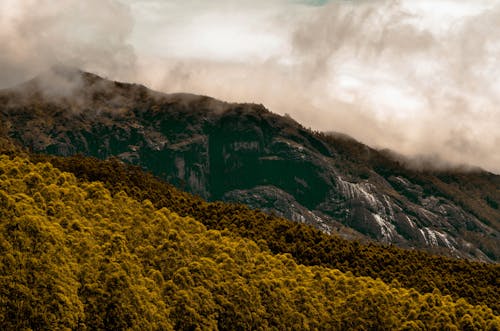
point(417, 77)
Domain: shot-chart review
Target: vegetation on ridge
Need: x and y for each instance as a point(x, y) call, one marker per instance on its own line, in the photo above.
point(479, 283)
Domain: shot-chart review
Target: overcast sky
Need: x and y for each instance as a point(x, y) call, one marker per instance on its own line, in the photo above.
point(416, 76)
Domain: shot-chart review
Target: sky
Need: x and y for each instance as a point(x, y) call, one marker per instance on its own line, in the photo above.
point(421, 77)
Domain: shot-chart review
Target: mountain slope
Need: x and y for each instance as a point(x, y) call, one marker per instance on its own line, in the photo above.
point(476, 282)
point(244, 153)
point(76, 257)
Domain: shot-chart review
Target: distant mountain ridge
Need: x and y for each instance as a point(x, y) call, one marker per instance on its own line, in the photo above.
point(244, 153)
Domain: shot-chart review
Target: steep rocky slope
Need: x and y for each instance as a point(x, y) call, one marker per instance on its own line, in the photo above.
point(244, 153)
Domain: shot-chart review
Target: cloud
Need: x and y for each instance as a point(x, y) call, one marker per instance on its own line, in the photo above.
point(36, 34)
point(419, 77)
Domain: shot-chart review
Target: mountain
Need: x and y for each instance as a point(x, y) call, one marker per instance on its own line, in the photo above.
point(476, 282)
point(244, 153)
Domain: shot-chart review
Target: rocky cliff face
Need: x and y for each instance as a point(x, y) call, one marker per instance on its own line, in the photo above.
point(244, 153)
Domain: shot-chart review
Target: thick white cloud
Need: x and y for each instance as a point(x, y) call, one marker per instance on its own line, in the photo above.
point(417, 76)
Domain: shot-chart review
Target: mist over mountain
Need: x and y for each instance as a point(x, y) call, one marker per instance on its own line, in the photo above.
point(418, 77)
point(245, 153)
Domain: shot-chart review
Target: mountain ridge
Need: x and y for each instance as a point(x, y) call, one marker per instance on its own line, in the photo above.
point(245, 153)
point(307, 245)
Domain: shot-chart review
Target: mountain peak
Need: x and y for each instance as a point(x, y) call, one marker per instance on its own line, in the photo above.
point(62, 84)
point(58, 81)
point(70, 86)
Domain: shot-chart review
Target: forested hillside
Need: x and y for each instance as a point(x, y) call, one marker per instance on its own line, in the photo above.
point(479, 283)
point(76, 255)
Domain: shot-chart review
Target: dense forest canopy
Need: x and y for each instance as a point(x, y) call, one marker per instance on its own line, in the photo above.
point(77, 255)
point(479, 283)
